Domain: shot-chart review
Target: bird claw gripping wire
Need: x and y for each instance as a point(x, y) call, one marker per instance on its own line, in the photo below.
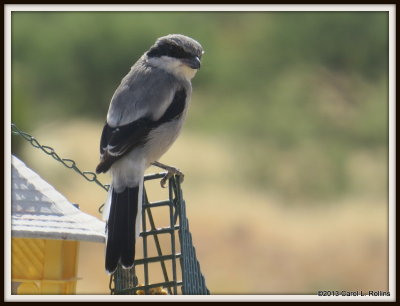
point(171, 172)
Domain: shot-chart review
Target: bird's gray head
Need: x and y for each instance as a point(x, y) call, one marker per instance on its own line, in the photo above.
point(177, 54)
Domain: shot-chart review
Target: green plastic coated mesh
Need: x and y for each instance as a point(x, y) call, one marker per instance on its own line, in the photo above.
point(175, 254)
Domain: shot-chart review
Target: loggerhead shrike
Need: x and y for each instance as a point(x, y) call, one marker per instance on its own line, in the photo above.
point(145, 116)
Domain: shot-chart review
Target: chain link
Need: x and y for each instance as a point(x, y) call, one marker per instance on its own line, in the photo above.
point(69, 163)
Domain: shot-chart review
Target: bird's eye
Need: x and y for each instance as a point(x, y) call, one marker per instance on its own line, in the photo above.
point(169, 50)
point(181, 53)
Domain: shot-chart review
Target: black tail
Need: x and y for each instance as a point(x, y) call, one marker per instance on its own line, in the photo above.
point(121, 229)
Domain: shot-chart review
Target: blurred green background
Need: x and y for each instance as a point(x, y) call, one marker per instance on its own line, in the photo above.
point(284, 149)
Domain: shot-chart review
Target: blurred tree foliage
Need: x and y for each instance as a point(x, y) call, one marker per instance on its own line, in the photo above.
point(280, 86)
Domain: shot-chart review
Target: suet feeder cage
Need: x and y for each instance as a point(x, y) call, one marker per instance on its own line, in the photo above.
point(168, 247)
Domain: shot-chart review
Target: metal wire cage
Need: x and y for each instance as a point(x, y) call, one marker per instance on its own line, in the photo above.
point(172, 245)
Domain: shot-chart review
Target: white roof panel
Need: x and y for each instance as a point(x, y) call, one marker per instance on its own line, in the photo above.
point(40, 211)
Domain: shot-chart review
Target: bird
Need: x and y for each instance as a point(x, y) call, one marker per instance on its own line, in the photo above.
point(145, 117)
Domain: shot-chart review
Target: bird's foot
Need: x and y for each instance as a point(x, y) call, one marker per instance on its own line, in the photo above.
point(171, 172)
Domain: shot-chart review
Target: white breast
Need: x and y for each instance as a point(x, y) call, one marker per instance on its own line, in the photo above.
point(161, 139)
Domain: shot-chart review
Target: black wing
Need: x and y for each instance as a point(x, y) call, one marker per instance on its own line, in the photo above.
point(115, 142)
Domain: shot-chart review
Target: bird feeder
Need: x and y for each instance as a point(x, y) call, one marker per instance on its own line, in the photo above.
point(46, 230)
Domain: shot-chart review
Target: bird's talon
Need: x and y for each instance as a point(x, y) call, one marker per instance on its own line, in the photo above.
point(163, 182)
point(165, 179)
point(171, 172)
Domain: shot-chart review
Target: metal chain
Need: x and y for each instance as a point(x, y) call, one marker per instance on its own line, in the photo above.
point(69, 163)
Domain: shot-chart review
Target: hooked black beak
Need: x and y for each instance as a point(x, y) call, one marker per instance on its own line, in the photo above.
point(193, 62)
